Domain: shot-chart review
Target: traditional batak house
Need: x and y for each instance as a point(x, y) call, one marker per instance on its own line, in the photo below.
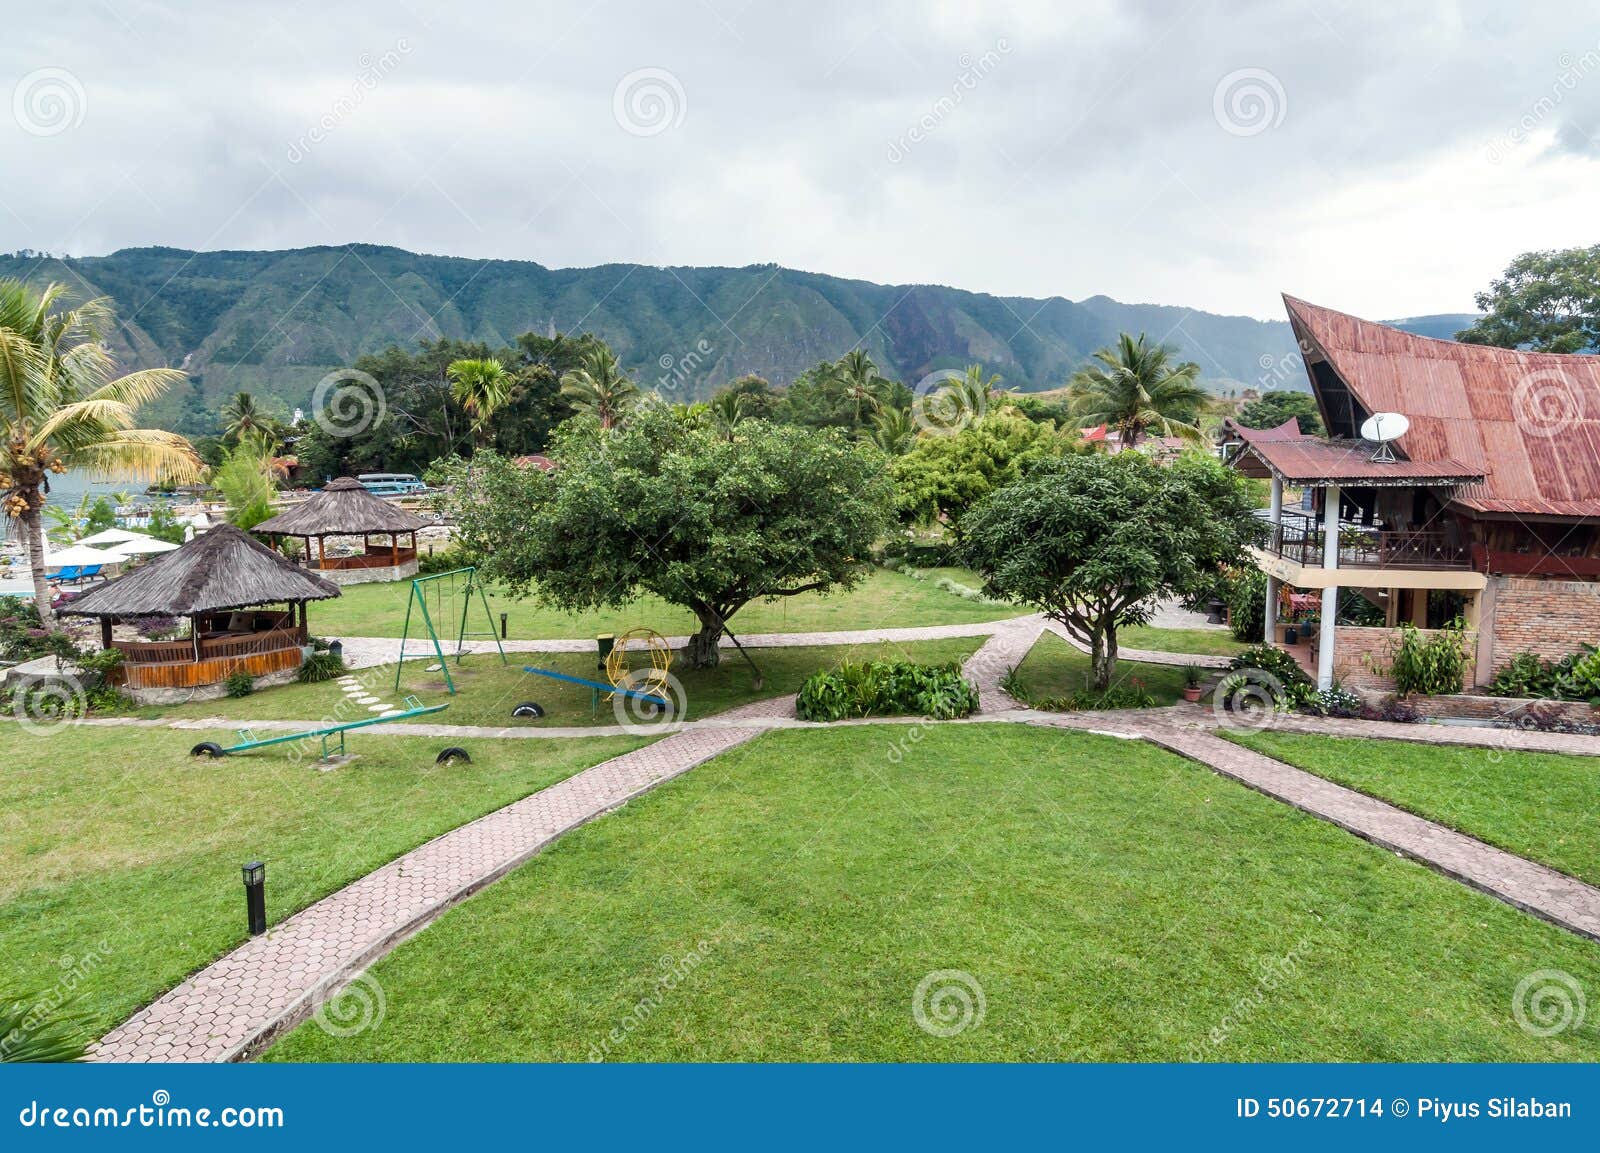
point(1486, 506)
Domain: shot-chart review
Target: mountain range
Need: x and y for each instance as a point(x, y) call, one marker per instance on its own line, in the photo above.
point(274, 323)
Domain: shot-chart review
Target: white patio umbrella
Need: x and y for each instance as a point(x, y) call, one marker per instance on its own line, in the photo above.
point(145, 544)
point(112, 536)
point(78, 555)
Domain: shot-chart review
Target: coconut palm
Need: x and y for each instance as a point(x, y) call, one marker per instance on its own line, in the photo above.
point(860, 382)
point(600, 387)
point(727, 410)
point(481, 387)
point(62, 408)
point(893, 430)
point(1136, 388)
point(242, 415)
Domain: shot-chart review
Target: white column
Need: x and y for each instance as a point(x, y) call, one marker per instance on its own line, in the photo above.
point(1276, 516)
point(1330, 595)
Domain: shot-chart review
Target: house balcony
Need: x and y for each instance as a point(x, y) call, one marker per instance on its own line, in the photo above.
point(1300, 539)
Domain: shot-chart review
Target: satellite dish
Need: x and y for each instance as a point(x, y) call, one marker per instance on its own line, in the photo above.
point(1384, 427)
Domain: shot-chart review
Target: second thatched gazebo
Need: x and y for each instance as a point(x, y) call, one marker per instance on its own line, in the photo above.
point(344, 508)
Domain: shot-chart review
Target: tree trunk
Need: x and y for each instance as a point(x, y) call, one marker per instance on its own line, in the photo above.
point(1103, 656)
point(33, 530)
point(703, 652)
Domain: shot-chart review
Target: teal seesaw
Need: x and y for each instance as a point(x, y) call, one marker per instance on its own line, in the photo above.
point(248, 740)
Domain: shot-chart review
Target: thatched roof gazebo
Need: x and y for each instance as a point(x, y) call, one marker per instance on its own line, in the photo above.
point(218, 581)
point(345, 508)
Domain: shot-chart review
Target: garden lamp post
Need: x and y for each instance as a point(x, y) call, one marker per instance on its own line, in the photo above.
point(255, 896)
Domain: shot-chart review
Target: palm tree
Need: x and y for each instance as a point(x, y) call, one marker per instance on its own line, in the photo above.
point(600, 387)
point(860, 381)
point(1136, 388)
point(62, 408)
point(893, 430)
point(727, 410)
point(241, 415)
point(481, 387)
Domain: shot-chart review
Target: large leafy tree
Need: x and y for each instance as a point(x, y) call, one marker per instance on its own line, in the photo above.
point(63, 407)
point(1136, 389)
point(1279, 405)
point(1095, 541)
point(943, 476)
point(1548, 301)
point(703, 517)
point(600, 387)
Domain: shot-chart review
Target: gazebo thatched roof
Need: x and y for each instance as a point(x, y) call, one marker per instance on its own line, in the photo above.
point(343, 508)
point(224, 569)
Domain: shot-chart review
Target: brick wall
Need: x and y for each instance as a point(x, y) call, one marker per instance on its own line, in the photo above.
point(1548, 617)
point(1359, 654)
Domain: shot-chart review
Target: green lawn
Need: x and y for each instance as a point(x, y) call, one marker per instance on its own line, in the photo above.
point(1538, 805)
point(1113, 902)
point(488, 690)
point(883, 600)
point(1207, 642)
point(120, 852)
point(1053, 668)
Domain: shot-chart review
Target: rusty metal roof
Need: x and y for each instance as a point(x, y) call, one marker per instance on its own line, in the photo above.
point(1528, 421)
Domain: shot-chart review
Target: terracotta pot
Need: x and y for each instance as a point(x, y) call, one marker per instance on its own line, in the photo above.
point(1192, 695)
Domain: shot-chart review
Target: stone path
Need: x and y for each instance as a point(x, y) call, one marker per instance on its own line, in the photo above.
point(1001, 653)
point(1531, 887)
point(278, 979)
point(1144, 656)
point(364, 652)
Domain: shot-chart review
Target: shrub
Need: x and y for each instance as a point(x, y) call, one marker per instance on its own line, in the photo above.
point(1429, 665)
point(239, 684)
point(887, 688)
point(1335, 702)
point(320, 666)
point(1271, 659)
point(1129, 694)
point(1580, 678)
point(1247, 605)
point(1527, 675)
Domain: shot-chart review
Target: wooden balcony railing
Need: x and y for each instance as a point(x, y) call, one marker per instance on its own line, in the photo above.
point(1301, 540)
point(211, 648)
point(378, 558)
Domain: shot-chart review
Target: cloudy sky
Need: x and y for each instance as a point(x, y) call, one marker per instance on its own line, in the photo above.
point(1384, 158)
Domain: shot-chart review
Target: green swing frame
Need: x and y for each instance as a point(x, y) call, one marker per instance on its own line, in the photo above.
point(419, 600)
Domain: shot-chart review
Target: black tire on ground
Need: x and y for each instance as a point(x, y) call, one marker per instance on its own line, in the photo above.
point(206, 749)
point(528, 709)
point(454, 755)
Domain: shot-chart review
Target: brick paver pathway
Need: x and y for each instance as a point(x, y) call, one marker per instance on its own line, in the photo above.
point(1531, 887)
point(364, 652)
point(1002, 652)
point(276, 980)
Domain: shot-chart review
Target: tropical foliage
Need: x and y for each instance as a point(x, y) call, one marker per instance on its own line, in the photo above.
point(887, 689)
point(1094, 541)
point(481, 386)
point(1279, 405)
point(62, 407)
point(600, 388)
point(667, 506)
point(1136, 389)
point(1548, 301)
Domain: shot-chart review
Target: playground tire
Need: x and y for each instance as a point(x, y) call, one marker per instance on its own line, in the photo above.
point(206, 749)
point(528, 709)
point(455, 754)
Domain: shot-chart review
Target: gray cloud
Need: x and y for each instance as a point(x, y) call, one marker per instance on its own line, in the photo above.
point(1409, 149)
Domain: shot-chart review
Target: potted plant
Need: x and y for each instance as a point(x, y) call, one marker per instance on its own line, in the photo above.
point(1193, 676)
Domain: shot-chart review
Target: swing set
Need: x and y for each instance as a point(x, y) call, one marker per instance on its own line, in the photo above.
point(453, 590)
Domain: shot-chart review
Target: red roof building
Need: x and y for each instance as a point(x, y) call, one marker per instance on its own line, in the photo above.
point(1486, 508)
